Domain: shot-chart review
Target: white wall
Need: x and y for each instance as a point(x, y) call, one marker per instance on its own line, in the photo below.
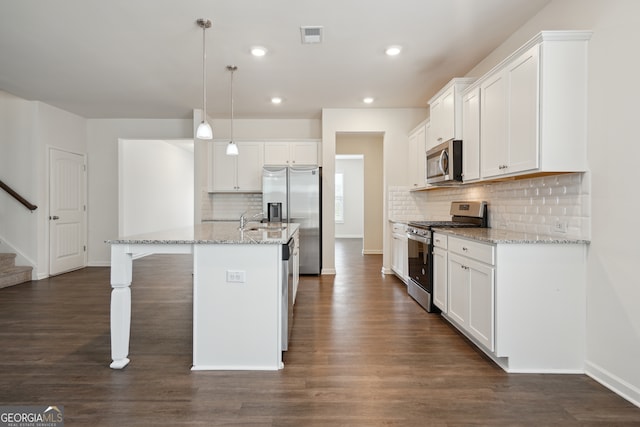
point(613, 287)
point(27, 130)
point(102, 148)
point(353, 172)
point(156, 179)
point(395, 124)
point(18, 169)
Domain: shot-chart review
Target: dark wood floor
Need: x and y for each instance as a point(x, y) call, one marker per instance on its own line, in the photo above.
point(362, 353)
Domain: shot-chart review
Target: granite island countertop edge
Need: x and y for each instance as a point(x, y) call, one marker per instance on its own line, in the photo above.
point(219, 232)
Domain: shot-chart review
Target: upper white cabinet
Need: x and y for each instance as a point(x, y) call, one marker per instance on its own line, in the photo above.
point(533, 115)
point(241, 173)
point(471, 134)
point(446, 112)
point(417, 156)
point(291, 153)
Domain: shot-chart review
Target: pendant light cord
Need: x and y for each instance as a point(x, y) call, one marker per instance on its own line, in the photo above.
point(232, 68)
point(204, 73)
point(204, 24)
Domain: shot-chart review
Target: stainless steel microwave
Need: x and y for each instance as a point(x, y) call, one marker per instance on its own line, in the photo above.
point(444, 163)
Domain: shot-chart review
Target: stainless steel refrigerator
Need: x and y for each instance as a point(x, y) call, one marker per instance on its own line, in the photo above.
point(299, 190)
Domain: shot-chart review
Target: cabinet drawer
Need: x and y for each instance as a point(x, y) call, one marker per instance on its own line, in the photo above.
point(440, 240)
point(399, 228)
point(471, 249)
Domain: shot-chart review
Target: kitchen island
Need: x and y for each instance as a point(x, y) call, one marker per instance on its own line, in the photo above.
point(237, 291)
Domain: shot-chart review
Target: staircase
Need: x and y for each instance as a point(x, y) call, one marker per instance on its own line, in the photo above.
point(10, 274)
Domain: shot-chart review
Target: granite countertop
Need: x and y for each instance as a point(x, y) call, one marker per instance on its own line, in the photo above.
point(218, 232)
point(493, 235)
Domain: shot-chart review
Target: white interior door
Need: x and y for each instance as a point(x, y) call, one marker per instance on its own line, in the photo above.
point(67, 211)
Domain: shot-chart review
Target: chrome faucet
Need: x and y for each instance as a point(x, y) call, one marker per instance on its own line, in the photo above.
point(244, 220)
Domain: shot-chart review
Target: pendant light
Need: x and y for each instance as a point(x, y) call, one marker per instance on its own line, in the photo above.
point(204, 130)
point(232, 148)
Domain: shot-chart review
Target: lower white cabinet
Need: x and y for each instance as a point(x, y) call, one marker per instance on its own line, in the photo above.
point(471, 297)
point(440, 272)
point(399, 260)
point(296, 264)
point(523, 304)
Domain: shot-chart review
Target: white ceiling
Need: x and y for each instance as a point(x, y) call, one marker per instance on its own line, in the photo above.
point(143, 58)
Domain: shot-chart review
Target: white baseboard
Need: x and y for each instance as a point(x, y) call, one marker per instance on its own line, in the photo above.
point(613, 383)
point(328, 271)
point(99, 264)
point(372, 252)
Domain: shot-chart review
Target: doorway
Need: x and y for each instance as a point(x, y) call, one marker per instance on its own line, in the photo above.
point(155, 185)
point(368, 145)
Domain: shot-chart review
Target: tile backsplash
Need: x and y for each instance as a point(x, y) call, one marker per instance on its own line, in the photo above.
point(229, 206)
point(544, 205)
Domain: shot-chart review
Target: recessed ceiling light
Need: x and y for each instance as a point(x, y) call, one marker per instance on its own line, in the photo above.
point(276, 100)
point(258, 51)
point(393, 50)
point(367, 100)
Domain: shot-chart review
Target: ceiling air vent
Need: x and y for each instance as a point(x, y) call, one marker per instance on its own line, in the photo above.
point(311, 35)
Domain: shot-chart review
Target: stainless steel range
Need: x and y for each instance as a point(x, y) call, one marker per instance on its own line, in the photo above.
point(420, 248)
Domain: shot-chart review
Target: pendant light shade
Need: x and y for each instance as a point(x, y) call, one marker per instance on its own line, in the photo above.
point(232, 147)
point(204, 130)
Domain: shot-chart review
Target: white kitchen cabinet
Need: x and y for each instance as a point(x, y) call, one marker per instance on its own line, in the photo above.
point(471, 288)
point(533, 108)
point(440, 272)
point(291, 153)
point(446, 112)
point(399, 256)
point(296, 264)
point(471, 134)
point(417, 156)
point(241, 173)
point(493, 127)
point(523, 304)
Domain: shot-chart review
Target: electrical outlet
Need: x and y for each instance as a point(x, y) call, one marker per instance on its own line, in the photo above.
point(235, 276)
point(560, 227)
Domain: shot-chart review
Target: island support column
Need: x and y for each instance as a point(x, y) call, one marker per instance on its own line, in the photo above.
point(121, 267)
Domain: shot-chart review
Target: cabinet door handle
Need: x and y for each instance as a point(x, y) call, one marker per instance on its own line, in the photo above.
point(465, 249)
point(55, 217)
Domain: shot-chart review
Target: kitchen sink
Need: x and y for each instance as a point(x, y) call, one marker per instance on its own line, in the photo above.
point(266, 227)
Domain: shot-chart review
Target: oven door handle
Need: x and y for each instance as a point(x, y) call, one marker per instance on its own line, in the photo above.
point(418, 238)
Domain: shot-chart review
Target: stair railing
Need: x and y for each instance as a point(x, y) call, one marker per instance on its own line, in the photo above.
point(18, 197)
